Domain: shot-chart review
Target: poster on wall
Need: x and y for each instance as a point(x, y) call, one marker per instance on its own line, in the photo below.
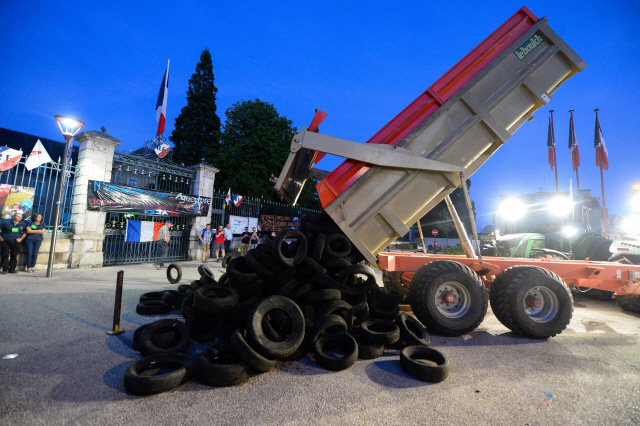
point(112, 198)
point(16, 199)
point(269, 222)
point(238, 223)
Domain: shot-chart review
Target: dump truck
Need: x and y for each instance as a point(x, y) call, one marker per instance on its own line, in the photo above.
point(428, 150)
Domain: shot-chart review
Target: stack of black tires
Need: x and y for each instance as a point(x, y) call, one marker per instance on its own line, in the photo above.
point(302, 292)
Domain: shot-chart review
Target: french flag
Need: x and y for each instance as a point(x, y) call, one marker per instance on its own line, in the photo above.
point(237, 200)
point(9, 158)
point(138, 231)
point(161, 105)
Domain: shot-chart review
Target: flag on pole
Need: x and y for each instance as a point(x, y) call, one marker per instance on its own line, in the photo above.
point(237, 200)
point(38, 157)
point(551, 143)
point(573, 215)
point(139, 231)
point(602, 156)
point(573, 146)
point(9, 158)
point(161, 105)
point(227, 199)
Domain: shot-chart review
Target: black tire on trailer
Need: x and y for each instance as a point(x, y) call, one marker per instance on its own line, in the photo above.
point(152, 307)
point(137, 384)
point(220, 366)
point(628, 302)
point(411, 331)
point(332, 341)
point(195, 284)
point(531, 301)
point(178, 269)
point(264, 254)
point(596, 294)
point(184, 288)
point(448, 297)
point(341, 241)
point(256, 336)
point(253, 359)
point(409, 361)
point(302, 250)
point(179, 342)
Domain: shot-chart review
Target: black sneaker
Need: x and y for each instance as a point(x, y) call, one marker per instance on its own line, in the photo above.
point(13, 272)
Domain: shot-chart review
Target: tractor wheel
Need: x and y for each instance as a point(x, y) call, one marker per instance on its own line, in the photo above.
point(448, 298)
point(531, 301)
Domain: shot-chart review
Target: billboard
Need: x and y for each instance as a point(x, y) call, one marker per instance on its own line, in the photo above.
point(269, 222)
point(238, 223)
point(113, 198)
point(16, 199)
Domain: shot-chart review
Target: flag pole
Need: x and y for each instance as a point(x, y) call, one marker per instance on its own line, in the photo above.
point(573, 153)
point(604, 204)
point(555, 158)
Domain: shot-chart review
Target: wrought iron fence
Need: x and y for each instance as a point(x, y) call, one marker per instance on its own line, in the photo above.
point(252, 207)
point(45, 180)
point(144, 169)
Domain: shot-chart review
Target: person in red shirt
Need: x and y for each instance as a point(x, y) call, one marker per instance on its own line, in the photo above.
point(219, 245)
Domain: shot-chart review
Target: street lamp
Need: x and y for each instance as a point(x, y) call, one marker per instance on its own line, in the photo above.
point(71, 128)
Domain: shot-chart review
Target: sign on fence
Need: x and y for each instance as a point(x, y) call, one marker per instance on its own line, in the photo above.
point(238, 223)
point(15, 199)
point(109, 197)
point(275, 223)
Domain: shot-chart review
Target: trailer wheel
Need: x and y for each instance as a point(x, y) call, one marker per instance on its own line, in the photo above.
point(628, 302)
point(531, 301)
point(448, 298)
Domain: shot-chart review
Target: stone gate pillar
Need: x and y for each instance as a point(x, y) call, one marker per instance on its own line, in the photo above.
point(202, 187)
point(95, 160)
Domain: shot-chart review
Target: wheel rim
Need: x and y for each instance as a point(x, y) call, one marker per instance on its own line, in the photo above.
point(453, 300)
point(541, 304)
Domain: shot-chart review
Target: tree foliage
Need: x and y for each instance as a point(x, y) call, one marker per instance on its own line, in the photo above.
point(197, 129)
point(254, 145)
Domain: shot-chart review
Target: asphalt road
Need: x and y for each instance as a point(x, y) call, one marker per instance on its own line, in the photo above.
point(68, 371)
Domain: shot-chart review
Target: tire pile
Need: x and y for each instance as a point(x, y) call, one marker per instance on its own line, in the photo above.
point(303, 292)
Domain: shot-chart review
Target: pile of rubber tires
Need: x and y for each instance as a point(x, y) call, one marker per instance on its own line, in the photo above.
point(304, 292)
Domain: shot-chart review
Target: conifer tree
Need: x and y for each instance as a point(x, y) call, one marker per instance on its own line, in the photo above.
point(197, 130)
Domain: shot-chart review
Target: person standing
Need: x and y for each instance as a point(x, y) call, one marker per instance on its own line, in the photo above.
point(219, 242)
point(206, 235)
point(254, 238)
point(35, 231)
point(245, 240)
point(228, 237)
point(163, 244)
point(12, 232)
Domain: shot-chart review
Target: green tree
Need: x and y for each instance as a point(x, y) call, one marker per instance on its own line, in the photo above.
point(197, 131)
point(255, 144)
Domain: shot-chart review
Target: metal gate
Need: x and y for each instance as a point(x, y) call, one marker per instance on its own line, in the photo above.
point(143, 169)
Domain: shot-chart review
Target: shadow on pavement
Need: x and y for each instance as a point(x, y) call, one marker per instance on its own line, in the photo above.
point(305, 366)
point(388, 373)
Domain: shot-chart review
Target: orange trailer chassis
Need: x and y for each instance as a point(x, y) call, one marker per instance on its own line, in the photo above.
point(398, 270)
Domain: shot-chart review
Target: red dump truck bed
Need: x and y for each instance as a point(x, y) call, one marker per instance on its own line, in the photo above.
point(427, 103)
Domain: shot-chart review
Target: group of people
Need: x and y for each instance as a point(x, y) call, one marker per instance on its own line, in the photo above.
point(222, 238)
point(13, 232)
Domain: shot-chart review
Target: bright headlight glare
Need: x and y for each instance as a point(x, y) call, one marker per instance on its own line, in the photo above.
point(560, 206)
point(631, 225)
point(512, 209)
point(569, 231)
point(635, 203)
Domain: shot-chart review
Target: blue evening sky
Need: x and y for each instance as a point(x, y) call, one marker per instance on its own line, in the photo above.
point(361, 62)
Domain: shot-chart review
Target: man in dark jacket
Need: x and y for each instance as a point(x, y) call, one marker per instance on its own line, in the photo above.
point(12, 232)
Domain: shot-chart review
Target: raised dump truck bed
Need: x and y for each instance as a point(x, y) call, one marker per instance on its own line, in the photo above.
point(417, 159)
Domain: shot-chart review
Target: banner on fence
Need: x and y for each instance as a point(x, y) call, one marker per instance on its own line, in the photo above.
point(16, 199)
point(269, 222)
point(109, 197)
point(238, 223)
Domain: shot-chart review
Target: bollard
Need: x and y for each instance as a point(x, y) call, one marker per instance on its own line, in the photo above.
point(118, 304)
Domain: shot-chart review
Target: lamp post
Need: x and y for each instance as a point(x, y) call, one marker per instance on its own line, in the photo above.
point(71, 128)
